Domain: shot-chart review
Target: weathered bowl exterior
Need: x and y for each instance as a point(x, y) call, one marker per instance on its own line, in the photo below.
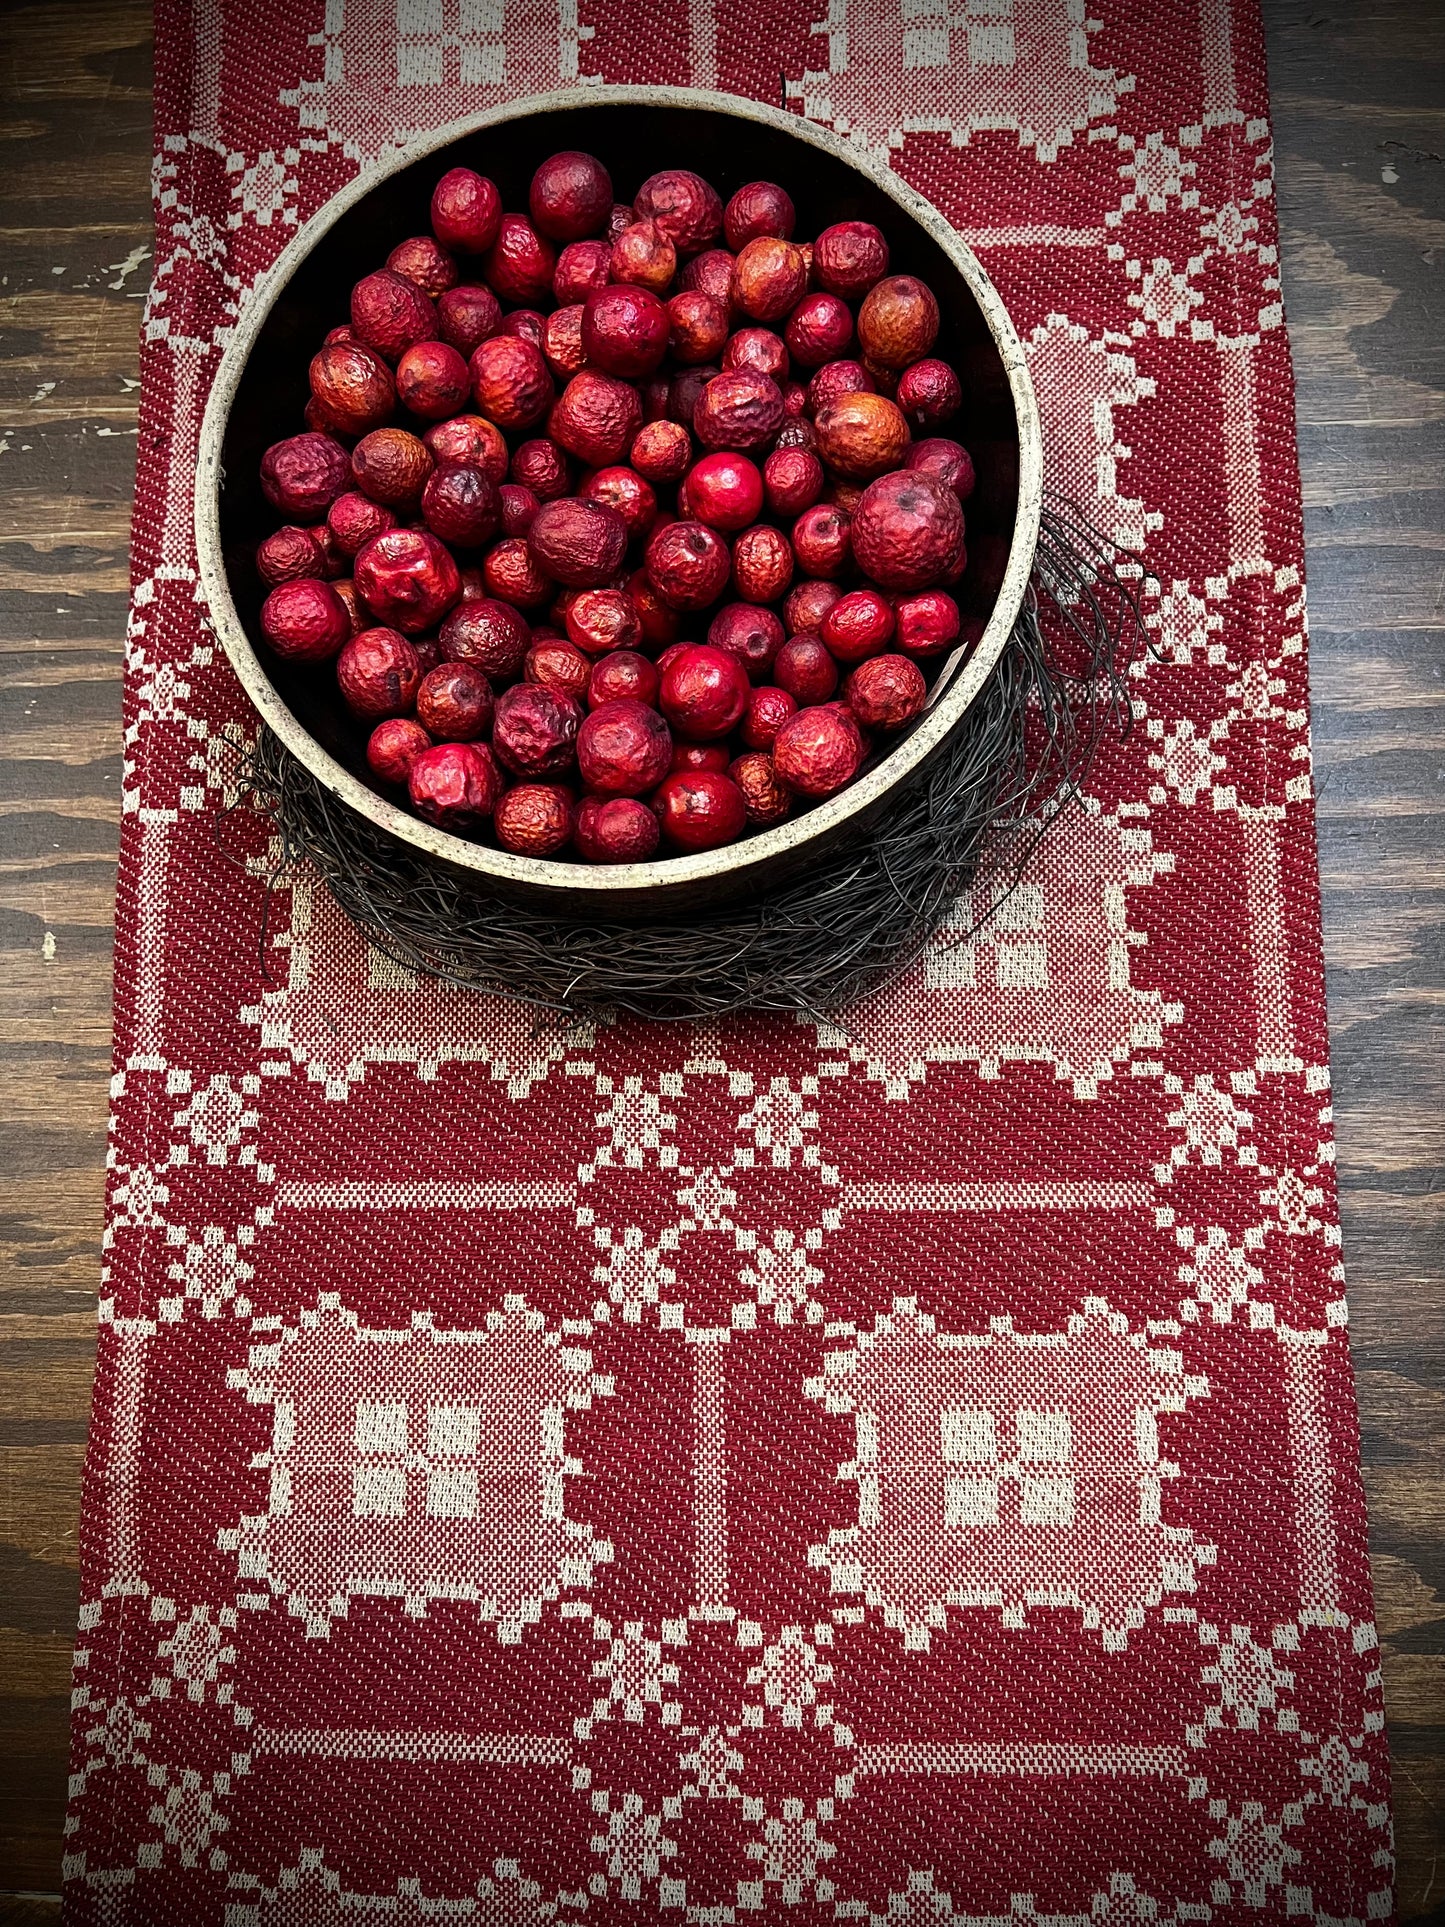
point(260, 392)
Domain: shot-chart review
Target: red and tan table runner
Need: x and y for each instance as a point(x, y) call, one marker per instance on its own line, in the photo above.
point(902, 1473)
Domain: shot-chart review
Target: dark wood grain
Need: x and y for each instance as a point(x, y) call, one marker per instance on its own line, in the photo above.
point(1359, 100)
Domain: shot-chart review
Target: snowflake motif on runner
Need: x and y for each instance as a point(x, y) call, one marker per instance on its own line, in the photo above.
point(1081, 382)
point(310, 1894)
point(345, 1005)
point(1032, 972)
point(1252, 1851)
point(1008, 1470)
point(1018, 65)
point(416, 1465)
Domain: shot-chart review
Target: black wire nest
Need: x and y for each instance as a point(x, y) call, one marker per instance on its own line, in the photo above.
point(1019, 755)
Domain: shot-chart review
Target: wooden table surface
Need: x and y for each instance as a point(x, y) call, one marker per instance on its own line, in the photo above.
point(1359, 102)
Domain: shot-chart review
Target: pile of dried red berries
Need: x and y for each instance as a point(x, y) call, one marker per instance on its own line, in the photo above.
point(643, 550)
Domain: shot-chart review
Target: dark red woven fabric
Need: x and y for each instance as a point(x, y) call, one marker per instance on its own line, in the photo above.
point(906, 1473)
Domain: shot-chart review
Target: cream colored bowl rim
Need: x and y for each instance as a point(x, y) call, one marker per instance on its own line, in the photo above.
point(754, 852)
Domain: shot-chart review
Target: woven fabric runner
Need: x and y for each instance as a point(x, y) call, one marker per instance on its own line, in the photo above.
point(904, 1473)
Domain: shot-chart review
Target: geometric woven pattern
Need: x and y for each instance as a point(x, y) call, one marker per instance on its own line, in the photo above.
point(900, 1471)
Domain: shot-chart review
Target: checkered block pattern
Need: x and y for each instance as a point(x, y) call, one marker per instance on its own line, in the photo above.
point(903, 1470)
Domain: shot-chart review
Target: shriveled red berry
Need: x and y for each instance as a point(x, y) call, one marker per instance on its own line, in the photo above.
point(541, 466)
point(578, 543)
point(806, 670)
point(596, 417)
point(860, 436)
point(948, 461)
point(624, 490)
point(528, 324)
point(907, 531)
point(354, 519)
point(454, 786)
point(625, 330)
point(792, 481)
point(332, 560)
point(700, 810)
point(534, 819)
point(929, 392)
point(817, 751)
point(352, 387)
point(511, 381)
point(768, 709)
point(570, 196)
point(393, 747)
point(821, 540)
point(519, 505)
point(487, 633)
point(686, 755)
point(423, 260)
point(762, 563)
point(834, 380)
point(725, 491)
point(752, 634)
point(454, 702)
point(926, 624)
point(660, 622)
point(622, 216)
point(407, 579)
point(622, 673)
point(559, 665)
point(391, 466)
point(624, 748)
point(688, 564)
point(704, 692)
point(741, 410)
point(389, 313)
point(581, 267)
point(685, 206)
point(806, 606)
point(685, 391)
point(562, 342)
point(758, 211)
point(351, 602)
point(460, 505)
point(534, 731)
point(288, 554)
point(378, 674)
point(303, 475)
point(602, 619)
point(616, 829)
point(858, 624)
point(886, 692)
point(643, 256)
point(512, 573)
point(766, 800)
point(519, 263)
point(699, 327)
point(770, 278)
point(305, 620)
point(661, 451)
point(796, 432)
point(466, 211)
point(469, 441)
point(849, 258)
point(760, 349)
point(432, 380)
point(898, 322)
point(467, 316)
point(819, 330)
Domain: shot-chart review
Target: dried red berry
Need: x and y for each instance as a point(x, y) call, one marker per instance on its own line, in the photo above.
point(806, 606)
point(378, 674)
point(643, 256)
point(407, 579)
point(806, 670)
point(624, 490)
point(487, 633)
point(570, 196)
point(819, 330)
point(460, 505)
point(528, 324)
point(766, 800)
point(660, 622)
point(762, 564)
point(661, 451)
point(455, 785)
point(424, 261)
point(760, 210)
point(834, 380)
point(770, 278)
point(287, 555)
point(861, 435)
point(602, 619)
point(303, 475)
point(581, 267)
point(700, 810)
point(352, 387)
point(432, 380)
point(821, 540)
point(687, 564)
point(907, 531)
point(391, 466)
point(578, 543)
point(699, 327)
point(534, 731)
point(393, 747)
point(624, 748)
point(704, 692)
point(711, 273)
point(454, 702)
point(559, 665)
point(469, 441)
point(351, 602)
point(305, 621)
point(354, 519)
point(596, 417)
point(926, 624)
point(898, 322)
point(512, 574)
point(760, 349)
point(792, 481)
point(946, 460)
point(519, 506)
point(857, 625)
point(467, 316)
point(511, 381)
point(625, 330)
point(623, 673)
point(849, 258)
point(616, 829)
point(740, 410)
point(519, 264)
point(817, 751)
point(534, 819)
point(725, 491)
point(562, 342)
point(685, 206)
point(753, 635)
point(929, 392)
point(389, 313)
point(541, 466)
point(466, 211)
point(768, 709)
point(796, 432)
point(886, 692)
